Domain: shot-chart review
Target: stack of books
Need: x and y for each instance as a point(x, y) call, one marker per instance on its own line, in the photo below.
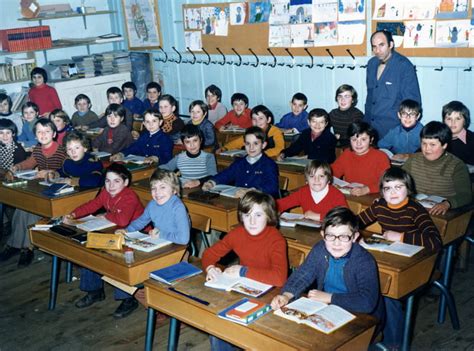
point(122, 62)
point(245, 311)
point(15, 69)
point(175, 273)
point(103, 64)
point(85, 66)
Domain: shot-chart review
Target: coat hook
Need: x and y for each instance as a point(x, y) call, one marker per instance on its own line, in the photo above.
point(179, 55)
point(164, 53)
point(256, 58)
point(353, 60)
point(469, 69)
point(292, 57)
point(192, 53)
point(439, 69)
point(208, 56)
point(274, 58)
point(330, 53)
point(223, 57)
point(312, 58)
point(240, 57)
point(333, 61)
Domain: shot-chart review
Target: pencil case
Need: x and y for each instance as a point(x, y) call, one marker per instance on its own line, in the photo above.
point(104, 241)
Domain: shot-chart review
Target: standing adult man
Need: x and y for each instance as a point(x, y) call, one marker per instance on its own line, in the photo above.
point(391, 78)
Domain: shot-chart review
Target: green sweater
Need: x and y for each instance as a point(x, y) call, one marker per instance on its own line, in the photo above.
point(447, 177)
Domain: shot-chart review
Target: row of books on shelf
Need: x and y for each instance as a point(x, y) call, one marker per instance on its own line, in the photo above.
point(16, 69)
point(26, 38)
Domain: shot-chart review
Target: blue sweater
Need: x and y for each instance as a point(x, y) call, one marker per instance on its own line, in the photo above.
point(262, 175)
point(27, 137)
point(135, 105)
point(322, 148)
point(158, 144)
point(88, 170)
point(171, 219)
point(361, 280)
point(400, 141)
point(289, 121)
point(397, 83)
point(208, 131)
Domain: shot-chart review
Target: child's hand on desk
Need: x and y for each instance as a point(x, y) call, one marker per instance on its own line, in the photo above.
point(440, 209)
point(14, 169)
point(116, 157)
point(121, 232)
point(312, 215)
point(281, 157)
point(393, 235)
point(208, 185)
point(42, 174)
point(9, 175)
point(281, 300)
point(212, 273)
point(151, 159)
point(154, 233)
point(241, 193)
point(363, 190)
point(68, 219)
point(233, 271)
point(135, 135)
point(319, 296)
point(220, 150)
point(191, 184)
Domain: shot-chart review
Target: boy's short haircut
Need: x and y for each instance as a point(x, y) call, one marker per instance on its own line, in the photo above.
point(214, 90)
point(173, 102)
point(76, 136)
point(153, 85)
point(239, 97)
point(61, 114)
point(166, 177)
point(341, 216)
point(4, 97)
point(8, 124)
point(397, 173)
point(120, 170)
point(265, 110)
point(456, 106)
point(32, 105)
point(190, 131)
point(318, 112)
point(358, 128)
point(45, 123)
point(201, 104)
point(437, 130)
point(154, 113)
point(39, 70)
point(116, 109)
point(255, 197)
point(258, 132)
point(300, 97)
point(82, 97)
point(410, 105)
point(130, 85)
point(114, 90)
point(314, 165)
point(349, 88)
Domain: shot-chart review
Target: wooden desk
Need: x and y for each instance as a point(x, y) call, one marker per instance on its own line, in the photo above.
point(268, 333)
point(295, 174)
point(107, 262)
point(222, 210)
point(29, 197)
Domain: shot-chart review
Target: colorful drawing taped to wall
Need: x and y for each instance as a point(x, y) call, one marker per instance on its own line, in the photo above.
point(449, 9)
point(238, 13)
point(351, 10)
point(302, 35)
point(351, 32)
point(141, 23)
point(222, 21)
point(452, 33)
point(419, 10)
point(279, 36)
point(390, 10)
point(324, 10)
point(325, 34)
point(259, 12)
point(192, 18)
point(419, 34)
point(208, 20)
point(396, 28)
point(280, 12)
point(193, 40)
point(301, 11)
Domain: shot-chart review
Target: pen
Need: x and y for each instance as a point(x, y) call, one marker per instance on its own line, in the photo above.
point(189, 296)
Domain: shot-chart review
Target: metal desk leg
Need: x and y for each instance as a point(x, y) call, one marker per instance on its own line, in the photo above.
point(150, 329)
point(408, 325)
point(53, 285)
point(173, 336)
point(446, 280)
point(68, 272)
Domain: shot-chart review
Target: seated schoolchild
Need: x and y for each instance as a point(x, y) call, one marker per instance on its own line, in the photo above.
point(256, 170)
point(122, 206)
point(405, 138)
point(194, 165)
point(30, 115)
point(361, 163)
point(131, 101)
point(114, 96)
point(84, 116)
point(457, 117)
point(346, 112)
point(239, 115)
point(297, 118)
point(116, 136)
point(402, 219)
point(62, 122)
point(42, 94)
point(316, 142)
point(172, 124)
point(6, 112)
point(154, 144)
point(199, 113)
point(438, 172)
point(213, 98)
point(318, 196)
point(263, 118)
point(257, 242)
point(153, 93)
point(337, 270)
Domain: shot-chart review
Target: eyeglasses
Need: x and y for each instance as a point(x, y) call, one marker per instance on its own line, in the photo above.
point(398, 187)
point(344, 238)
point(409, 114)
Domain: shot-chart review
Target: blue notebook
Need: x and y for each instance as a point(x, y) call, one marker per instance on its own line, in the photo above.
point(172, 274)
point(57, 189)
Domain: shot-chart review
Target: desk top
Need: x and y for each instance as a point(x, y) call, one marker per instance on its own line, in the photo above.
point(267, 333)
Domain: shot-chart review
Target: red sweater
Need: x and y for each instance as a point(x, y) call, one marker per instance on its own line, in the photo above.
point(302, 198)
point(264, 254)
point(365, 169)
point(45, 97)
point(243, 121)
point(121, 209)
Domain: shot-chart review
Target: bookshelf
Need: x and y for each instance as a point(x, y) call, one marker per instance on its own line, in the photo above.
point(53, 17)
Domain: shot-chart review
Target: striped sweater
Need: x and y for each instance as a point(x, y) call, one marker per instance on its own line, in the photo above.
point(51, 158)
point(191, 167)
point(411, 219)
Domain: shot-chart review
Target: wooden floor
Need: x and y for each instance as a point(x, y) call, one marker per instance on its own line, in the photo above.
point(26, 323)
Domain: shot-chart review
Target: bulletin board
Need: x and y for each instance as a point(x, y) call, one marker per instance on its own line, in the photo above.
point(255, 36)
point(445, 28)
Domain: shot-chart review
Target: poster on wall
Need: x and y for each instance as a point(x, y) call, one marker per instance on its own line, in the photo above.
point(142, 24)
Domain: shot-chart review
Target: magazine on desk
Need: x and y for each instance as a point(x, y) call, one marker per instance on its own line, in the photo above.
point(241, 285)
point(233, 129)
point(226, 190)
point(101, 154)
point(288, 219)
point(291, 132)
point(295, 161)
point(27, 174)
point(429, 201)
point(57, 189)
point(234, 153)
point(378, 243)
point(315, 314)
point(345, 187)
point(144, 242)
point(393, 161)
point(92, 223)
point(245, 311)
point(134, 159)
